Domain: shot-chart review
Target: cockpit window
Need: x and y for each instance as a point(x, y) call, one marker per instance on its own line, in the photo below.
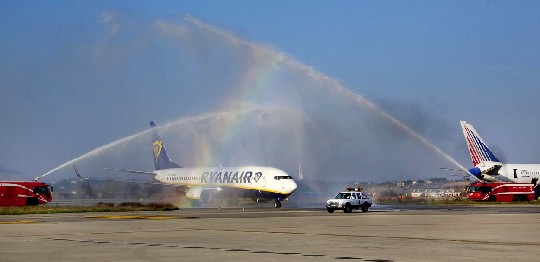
point(282, 177)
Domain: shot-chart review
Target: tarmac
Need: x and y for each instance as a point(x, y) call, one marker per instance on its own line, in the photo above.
point(386, 233)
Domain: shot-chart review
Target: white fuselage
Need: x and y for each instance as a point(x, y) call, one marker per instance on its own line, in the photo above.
point(520, 173)
point(266, 179)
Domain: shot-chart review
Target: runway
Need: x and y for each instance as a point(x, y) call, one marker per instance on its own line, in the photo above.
point(388, 233)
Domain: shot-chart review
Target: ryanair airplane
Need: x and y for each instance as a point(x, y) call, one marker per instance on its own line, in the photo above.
point(261, 184)
point(487, 166)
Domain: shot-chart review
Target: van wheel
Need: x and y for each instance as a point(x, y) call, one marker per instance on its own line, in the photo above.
point(347, 208)
point(330, 210)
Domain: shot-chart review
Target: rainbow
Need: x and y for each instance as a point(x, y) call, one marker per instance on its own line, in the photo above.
point(253, 87)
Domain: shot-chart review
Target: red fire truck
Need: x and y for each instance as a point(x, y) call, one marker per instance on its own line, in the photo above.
point(500, 192)
point(24, 193)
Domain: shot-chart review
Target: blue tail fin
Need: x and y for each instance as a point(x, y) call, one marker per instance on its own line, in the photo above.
point(161, 159)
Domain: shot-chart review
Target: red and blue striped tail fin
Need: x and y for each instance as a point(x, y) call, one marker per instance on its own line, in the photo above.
point(478, 149)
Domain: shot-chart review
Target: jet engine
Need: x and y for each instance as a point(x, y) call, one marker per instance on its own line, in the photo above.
point(198, 193)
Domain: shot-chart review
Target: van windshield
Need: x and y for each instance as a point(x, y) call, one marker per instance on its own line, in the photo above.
point(41, 190)
point(343, 196)
point(483, 189)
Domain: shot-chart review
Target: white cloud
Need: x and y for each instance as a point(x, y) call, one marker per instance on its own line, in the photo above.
point(107, 17)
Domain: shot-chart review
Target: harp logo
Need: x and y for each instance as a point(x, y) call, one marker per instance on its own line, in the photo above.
point(257, 176)
point(157, 145)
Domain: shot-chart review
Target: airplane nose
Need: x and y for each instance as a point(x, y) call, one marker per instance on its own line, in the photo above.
point(293, 186)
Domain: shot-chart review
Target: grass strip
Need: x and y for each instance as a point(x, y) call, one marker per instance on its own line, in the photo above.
point(99, 207)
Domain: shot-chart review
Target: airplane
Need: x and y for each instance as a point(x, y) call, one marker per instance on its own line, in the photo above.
point(261, 184)
point(487, 167)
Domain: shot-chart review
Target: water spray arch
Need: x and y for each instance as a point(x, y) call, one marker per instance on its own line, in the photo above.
point(274, 87)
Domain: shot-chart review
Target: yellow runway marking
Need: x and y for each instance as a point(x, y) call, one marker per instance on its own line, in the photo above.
point(132, 217)
point(17, 222)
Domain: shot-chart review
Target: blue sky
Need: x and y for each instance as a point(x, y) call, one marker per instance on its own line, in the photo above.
point(76, 75)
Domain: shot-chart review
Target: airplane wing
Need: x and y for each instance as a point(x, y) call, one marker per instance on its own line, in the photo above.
point(465, 173)
point(453, 169)
point(120, 181)
point(131, 171)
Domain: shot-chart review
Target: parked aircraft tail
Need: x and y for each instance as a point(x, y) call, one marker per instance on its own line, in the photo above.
point(477, 147)
point(486, 165)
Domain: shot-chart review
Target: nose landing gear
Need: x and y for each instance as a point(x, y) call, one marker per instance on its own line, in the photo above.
point(277, 203)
